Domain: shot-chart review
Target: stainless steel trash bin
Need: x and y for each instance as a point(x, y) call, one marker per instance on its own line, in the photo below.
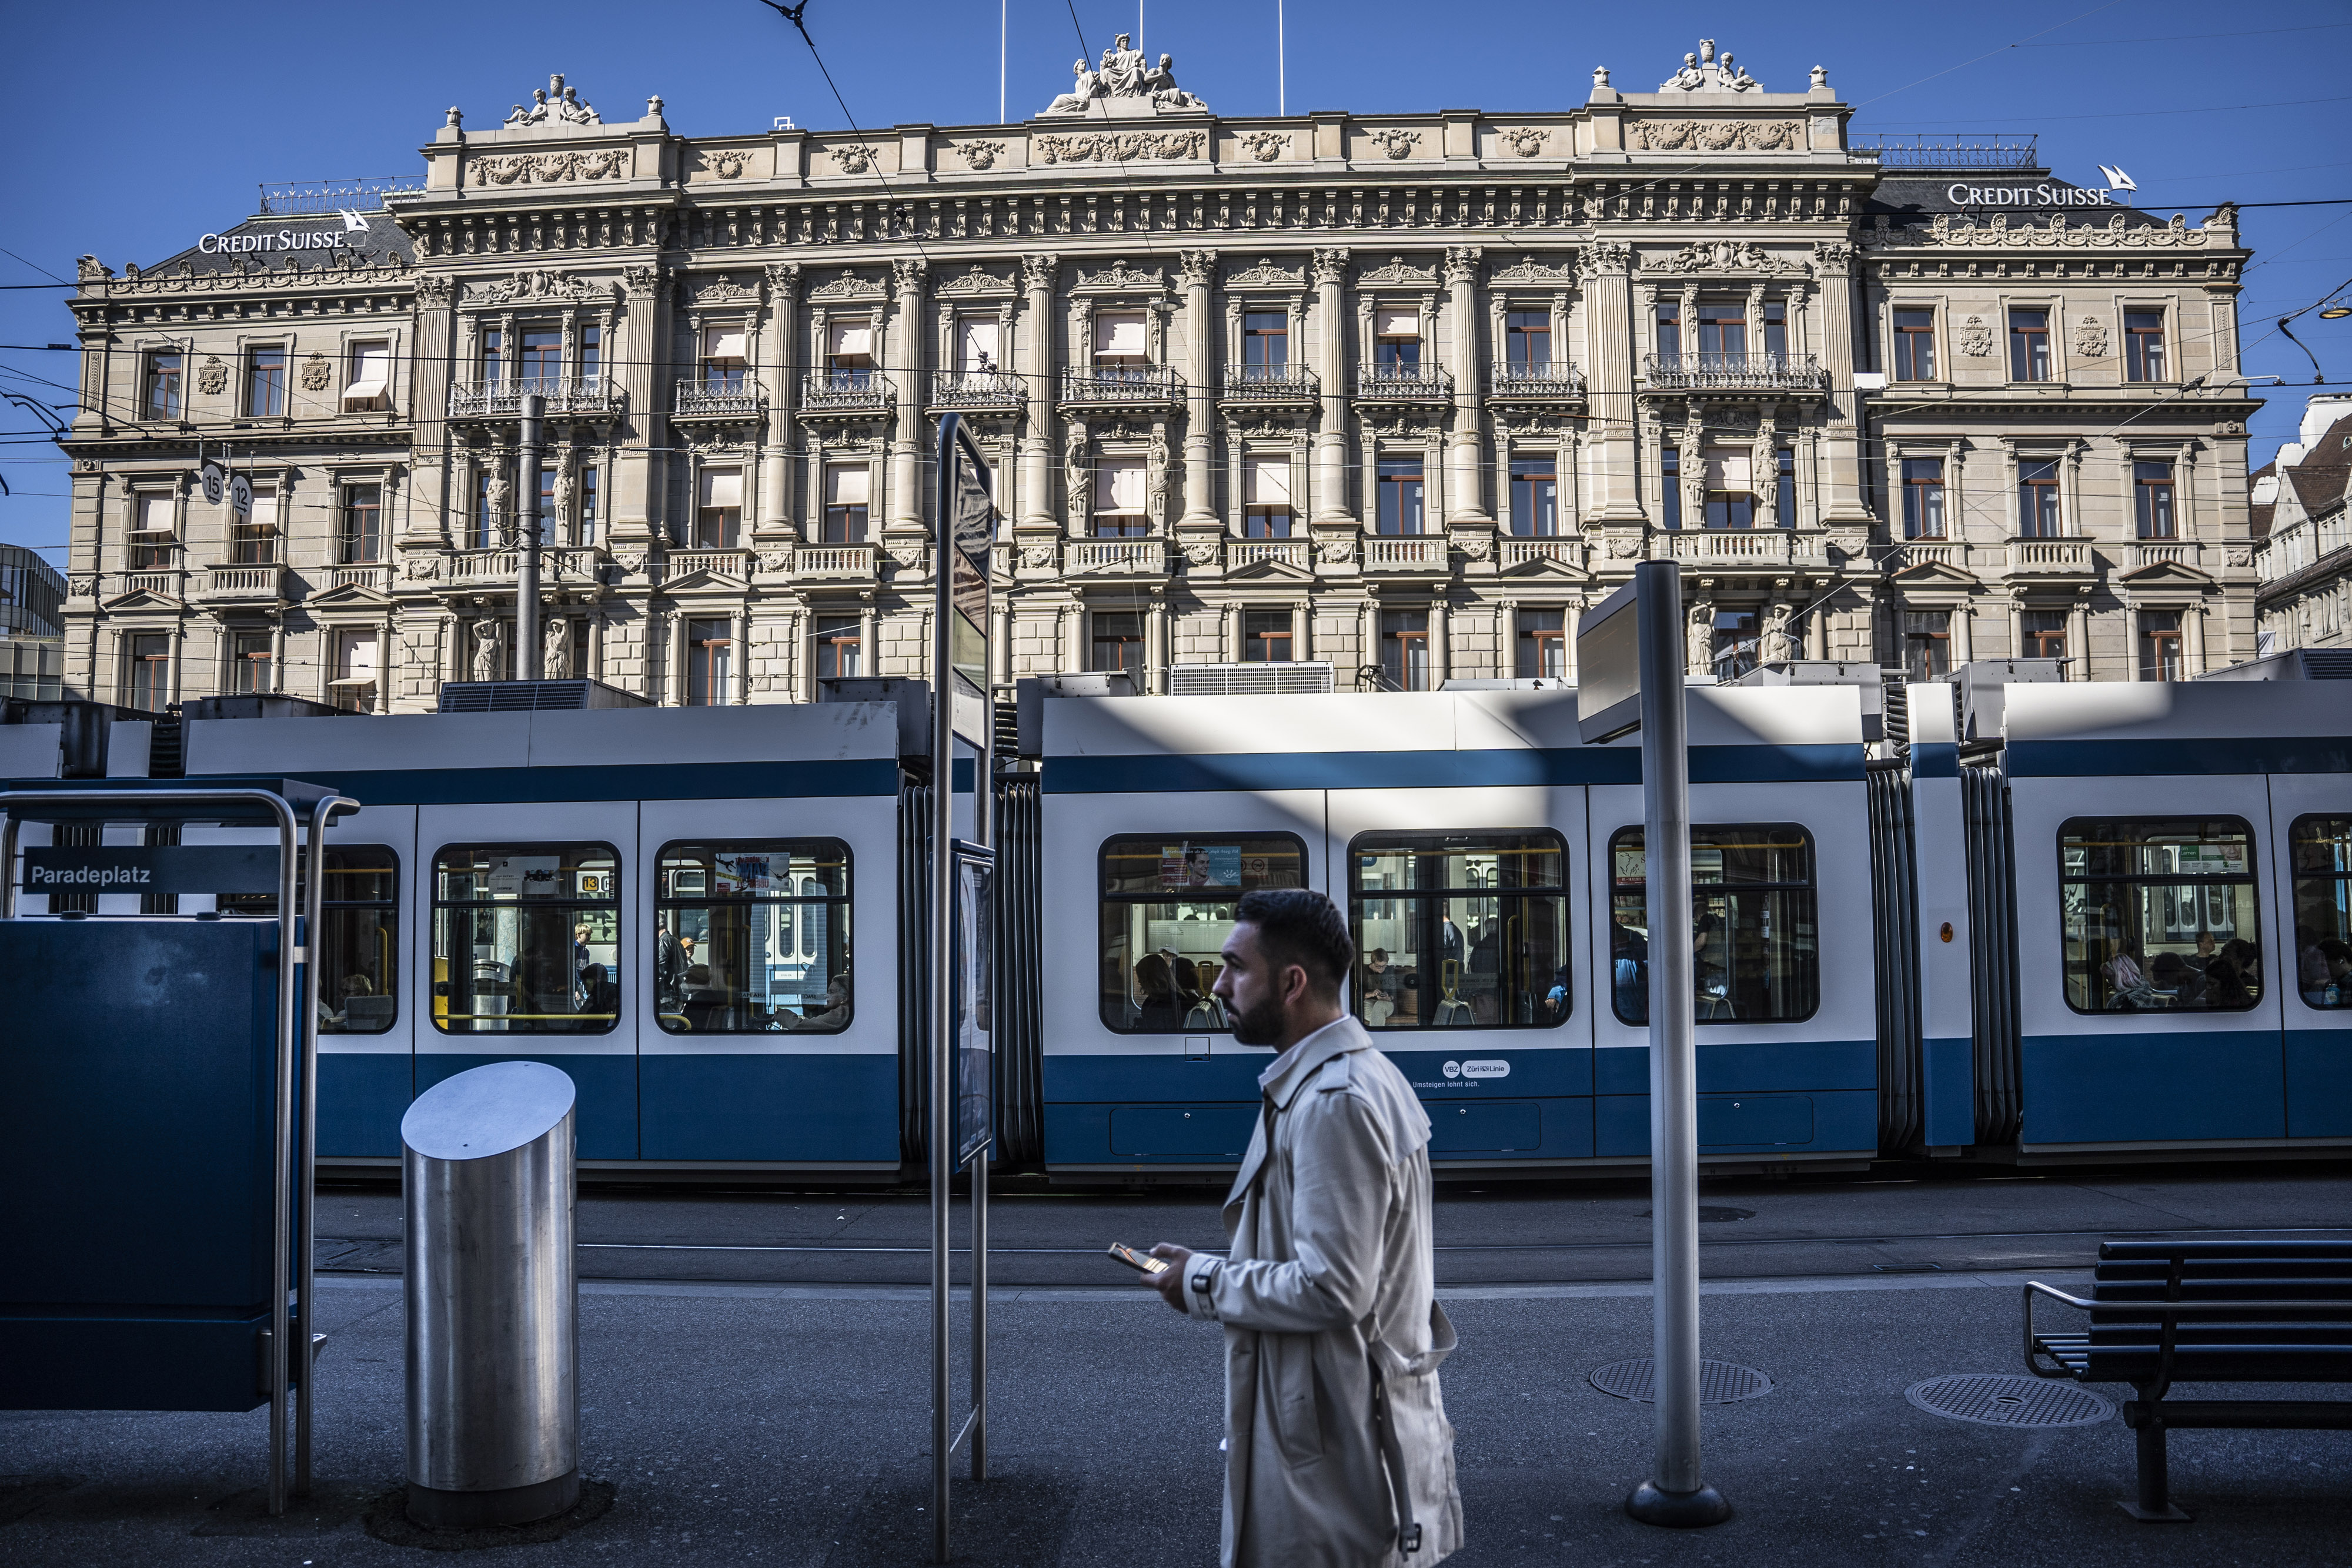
point(493, 1299)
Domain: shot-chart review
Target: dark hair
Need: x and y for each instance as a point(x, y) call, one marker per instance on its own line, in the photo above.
point(1299, 925)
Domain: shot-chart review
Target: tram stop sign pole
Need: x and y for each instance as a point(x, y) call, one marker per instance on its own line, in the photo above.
point(1629, 662)
point(960, 1123)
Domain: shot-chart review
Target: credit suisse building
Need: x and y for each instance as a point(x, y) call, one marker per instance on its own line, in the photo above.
point(1400, 394)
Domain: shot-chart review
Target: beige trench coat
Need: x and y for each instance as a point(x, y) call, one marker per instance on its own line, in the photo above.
point(1329, 1276)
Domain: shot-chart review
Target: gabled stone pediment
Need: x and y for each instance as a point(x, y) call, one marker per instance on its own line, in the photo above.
point(1272, 568)
point(1546, 569)
point(705, 581)
point(1934, 574)
point(141, 598)
point(2165, 574)
point(349, 596)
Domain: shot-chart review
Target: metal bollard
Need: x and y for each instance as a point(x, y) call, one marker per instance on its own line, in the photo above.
point(487, 1168)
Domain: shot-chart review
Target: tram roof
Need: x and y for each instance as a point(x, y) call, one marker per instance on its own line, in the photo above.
point(2177, 727)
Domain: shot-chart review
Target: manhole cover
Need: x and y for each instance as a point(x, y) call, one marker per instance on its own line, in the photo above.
point(1719, 1382)
point(1997, 1399)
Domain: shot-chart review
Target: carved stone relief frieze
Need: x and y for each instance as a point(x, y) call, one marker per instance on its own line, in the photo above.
point(533, 285)
point(1527, 269)
point(1724, 256)
point(317, 371)
point(1397, 142)
point(1119, 146)
point(212, 379)
point(727, 162)
point(855, 158)
point(2091, 338)
point(976, 281)
point(848, 285)
point(726, 291)
point(1118, 275)
point(1266, 146)
point(551, 168)
point(1265, 274)
point(1717, 135)
point(980, 155)
point(1397, 270)
point(1999, 230)
point(1975, 337)
point(1527, 140)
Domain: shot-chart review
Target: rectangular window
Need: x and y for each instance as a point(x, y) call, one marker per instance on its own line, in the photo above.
point(847, 488)
point(1167, 908)
point(1115, 638)
point(1722, 332)
point(254, 542)
point(160, 396)
point(1914, 345)
point(1670, 330)
point(709, 661)
point(752, 938)
point(1784, 485)
point(1266, 636)
point(1543, 645)
point(588, 507)
point(514, 928)
point(539, 365)
point(370, 383)
point(150, 676)
point(362, 524)
point(2028, 345)
point(1265, 341)
point(1118, 499)
point(2152, 499)
point(840, 646)
point(356, 669)
point(1399, 482)
point(358, 931)
point(1670, 488)
point(1267, 512)
point(1923, 497)
point(975, 345)
point(1459, 930)
point(723, 350)
point(1928, 643)
point(1120, 341)
point(487, 524)
point(1396, 344)
point(154, 539)
point(249, 657)
point(1527, 340)
point(2044, 633)
point(591, 352)
point(719, 511)
point(1404, 649)
point(2037, 499)
point(849, 355)
point(265, 383)
point(1776, 331)
point(493, 354)
point(1730, 487)
point(2156, 914)
point(2143, 358)
point(2322, 851)
point(1535, 497)
point(547, 517)
point(2159, 646)
point(1755, 946)
point(1734, 638)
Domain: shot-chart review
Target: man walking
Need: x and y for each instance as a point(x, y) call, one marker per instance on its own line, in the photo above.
point(1338, 1454)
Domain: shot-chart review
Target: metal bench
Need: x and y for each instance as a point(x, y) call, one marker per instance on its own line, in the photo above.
point(2206, 1311)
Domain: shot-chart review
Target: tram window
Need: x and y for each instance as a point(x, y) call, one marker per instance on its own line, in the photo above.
point(2323, 909)
point(526, 939)
point(1167, 908)
point(1756, 941)
point(2156, 914)
point(1459, 930)
point(359, 928)
point(753, 937)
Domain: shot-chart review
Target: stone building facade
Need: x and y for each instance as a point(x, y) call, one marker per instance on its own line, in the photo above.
point(2303, 520)
point(1399, 393)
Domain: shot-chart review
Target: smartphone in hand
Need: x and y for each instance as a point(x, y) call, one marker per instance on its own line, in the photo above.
point(1142, 1263)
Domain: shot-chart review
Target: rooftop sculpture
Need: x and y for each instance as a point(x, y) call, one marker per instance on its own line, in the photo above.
point(1703, 72)
point(1124, 84)
point(554, 104)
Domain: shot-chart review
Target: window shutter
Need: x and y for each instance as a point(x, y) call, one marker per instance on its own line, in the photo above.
point(853, 338)
point(154, 513)
point(1266, 482)
point(722, 342)
point(1398, 323)
point(1119, 333)
point(357, 664)
point(371, 374)
point(847, 486)
point(975, 343)
point(722, 487)
point(1728, 468)
point(1118, 481)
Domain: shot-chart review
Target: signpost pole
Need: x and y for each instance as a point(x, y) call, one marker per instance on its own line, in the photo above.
point(530, 657)
point(941, 1141)
point(1674, 1495)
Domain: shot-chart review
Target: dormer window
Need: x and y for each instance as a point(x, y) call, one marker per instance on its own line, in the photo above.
point(1119, 342)
point(1396, 343)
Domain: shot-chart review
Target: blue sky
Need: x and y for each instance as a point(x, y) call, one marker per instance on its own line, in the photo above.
point(139, 126)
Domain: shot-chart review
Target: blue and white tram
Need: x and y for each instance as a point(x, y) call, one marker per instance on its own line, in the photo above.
point(2159, 876)
point(1491, 869)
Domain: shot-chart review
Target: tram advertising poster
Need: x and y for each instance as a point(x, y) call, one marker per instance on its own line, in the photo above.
point(974, 1034)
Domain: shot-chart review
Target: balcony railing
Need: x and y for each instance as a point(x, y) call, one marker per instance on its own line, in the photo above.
point(503, 400)
point(1403, 383)
point(242, 582)
point(2049, 558)
point(735, 397)
point(2167, 552)
point(976, 389)
point(1299, 553)
point(1743, 547)
point(838, 563)
point(166, 583)
point(485, 566)
point(1930, 552)
point(1422, 555)
point(1736, 372)
point(1270, 383)
point(330, 578)
point(1120, 384)
point(1545, 381)
point(1526, 552)
point(1125, 558)
point(684, 563)
point(846, 392)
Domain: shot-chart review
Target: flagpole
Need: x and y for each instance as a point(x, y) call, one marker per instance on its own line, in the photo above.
point(1281, 66)
point(1002, 8)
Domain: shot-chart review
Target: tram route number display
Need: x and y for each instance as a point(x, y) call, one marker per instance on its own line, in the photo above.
point(161, 870)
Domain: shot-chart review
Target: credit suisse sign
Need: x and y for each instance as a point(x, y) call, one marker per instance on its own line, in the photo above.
point(274, 239)
point(2044, 196)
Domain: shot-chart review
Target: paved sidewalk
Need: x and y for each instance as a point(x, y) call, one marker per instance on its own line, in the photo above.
point(783, 1425)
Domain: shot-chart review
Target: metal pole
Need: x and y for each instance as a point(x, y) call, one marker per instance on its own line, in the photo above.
point(942, 869)
point(1674, 1495)
point(290, 954)
point(305, 1281)
point(530, 657)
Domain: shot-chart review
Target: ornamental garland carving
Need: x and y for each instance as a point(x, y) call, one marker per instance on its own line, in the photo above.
point(2091, 338)
point(727, 291)
point(421, 568)
point(1202, 553)
point(1119, 146)
point(1976, 338)
point(1527, 140)
point(213, 378)
point(1951, 229)
point(1397, 271)
point(1397, 142)
point(1266, 272)
point(317, 372)
point(1337, 550)
point(1118, 275)
point(1724, 256)
point(551, 168)
point(1266, 146)
point(848, 285)
point(979, 280)
point(532, 284)
point(855, 157)
point(728, 163)
point(980, 154)
point(1717, 135)
point(1527, 269)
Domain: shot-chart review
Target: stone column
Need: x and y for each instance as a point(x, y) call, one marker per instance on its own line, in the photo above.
point(1438, 662)
point(1609, 350)
point(1195, 269)
point(1331, 439)
point(1037, 275)
point(428, 405)
point(1464, 500)
point(638, 468)
point(905, 347)
point(1964, 646)
point(1833, 264)
point(2193, 642)
point(779, 371)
